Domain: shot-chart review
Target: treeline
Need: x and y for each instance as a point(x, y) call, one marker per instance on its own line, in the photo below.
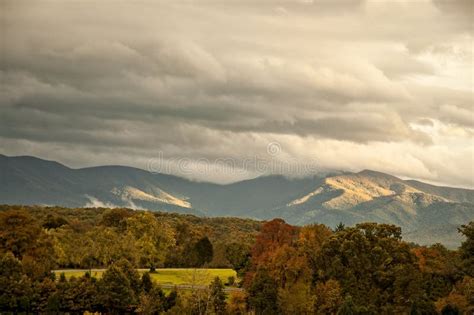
point(366, 269)
point(120, 290)
point(95, 238)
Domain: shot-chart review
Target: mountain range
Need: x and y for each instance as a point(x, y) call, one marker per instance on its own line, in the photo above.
point(427, 214)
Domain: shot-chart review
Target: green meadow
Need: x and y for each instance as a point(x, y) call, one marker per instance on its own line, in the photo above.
point(172, 276)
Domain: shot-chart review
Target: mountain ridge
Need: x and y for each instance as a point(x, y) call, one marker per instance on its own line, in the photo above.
point(332, 198)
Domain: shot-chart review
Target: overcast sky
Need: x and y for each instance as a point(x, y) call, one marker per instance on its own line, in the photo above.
point(342, 85)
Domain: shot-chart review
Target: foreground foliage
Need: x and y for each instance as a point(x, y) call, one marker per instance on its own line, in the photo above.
point(365, 269)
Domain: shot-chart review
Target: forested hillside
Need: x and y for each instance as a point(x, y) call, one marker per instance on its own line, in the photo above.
point(282, 269)
point(426, 213)
point(95, 237)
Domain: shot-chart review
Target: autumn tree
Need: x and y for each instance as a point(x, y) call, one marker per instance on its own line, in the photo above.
point(273, 234)
point(310, 240)
point(461, 298)
point(18, 232)
point(327, 297)
point(237, 303)
point(439, 268)
point(296, 298)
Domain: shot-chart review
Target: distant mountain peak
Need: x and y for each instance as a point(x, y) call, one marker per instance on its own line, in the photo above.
point(330, 198)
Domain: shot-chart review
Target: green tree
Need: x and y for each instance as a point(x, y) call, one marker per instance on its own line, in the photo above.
point(339, 227)
point(131, 273)
point(203, 251)
point(217, 296)
point(170, 300)
point(238, 255)
point(374, 266)
point(153, 238)
point(79, 295)
point(263, 294)
point(116, 218)
point(16, 289)
point(45, 301)
point(467, 248)
point(117, 289)
point(152, 302)
point(296, 299)
point(146, 283)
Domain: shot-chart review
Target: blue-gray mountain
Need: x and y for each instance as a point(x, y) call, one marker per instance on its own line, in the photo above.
point(426, 213)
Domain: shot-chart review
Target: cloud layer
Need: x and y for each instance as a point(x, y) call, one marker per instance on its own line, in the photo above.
point(349, 85)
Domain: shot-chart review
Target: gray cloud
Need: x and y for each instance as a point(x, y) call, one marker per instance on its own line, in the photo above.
point(125, 81)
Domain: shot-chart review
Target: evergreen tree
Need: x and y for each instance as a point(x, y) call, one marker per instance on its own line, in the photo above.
point(116, 291)
point(62, 277)
point(218, 296)
point(340, 227)
point(467, 248)
point(131, 273)
point(203, 251)
point(146, 283)
point(171, 299)
point(263, 294)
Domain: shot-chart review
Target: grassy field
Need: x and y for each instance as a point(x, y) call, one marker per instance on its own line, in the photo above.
point(175, 276)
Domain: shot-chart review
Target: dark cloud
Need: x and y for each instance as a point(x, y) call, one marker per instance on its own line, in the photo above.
point(458, 9)
point(208, 80)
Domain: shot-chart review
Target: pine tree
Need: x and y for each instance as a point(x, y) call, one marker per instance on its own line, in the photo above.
point(146, 283)
point(218, 296)
point(117, 293)
point(340, 227)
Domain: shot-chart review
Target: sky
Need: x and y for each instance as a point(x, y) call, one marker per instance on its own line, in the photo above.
point(226, 90)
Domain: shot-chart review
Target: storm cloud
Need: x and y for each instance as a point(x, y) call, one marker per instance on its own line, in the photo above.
point(347, 85)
